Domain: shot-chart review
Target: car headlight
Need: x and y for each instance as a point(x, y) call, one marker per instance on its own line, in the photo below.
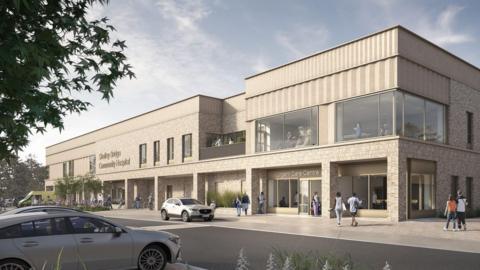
point(194, 210)
point(175, 239)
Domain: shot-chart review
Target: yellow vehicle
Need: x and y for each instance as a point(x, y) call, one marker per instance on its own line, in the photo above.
point(38, 197)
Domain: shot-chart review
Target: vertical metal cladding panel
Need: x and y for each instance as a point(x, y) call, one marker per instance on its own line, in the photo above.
point(362, 80)
point(422, 81)
point(354, 54)
point(426, 54)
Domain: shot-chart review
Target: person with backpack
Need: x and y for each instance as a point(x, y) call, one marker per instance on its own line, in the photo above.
point(461, 206)
point(245, 202)
point(450, 212)
point(354, 203)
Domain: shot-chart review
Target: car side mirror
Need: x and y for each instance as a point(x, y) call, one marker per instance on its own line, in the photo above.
point(117, 231)
point(177, 204)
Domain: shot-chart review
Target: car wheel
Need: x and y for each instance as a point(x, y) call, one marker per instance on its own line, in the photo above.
point(12, 264)
point(152, 258)
point(164, 215)
point(210, 218)
point(186, 217)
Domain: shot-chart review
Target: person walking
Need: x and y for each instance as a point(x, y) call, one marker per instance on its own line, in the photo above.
point(137, 202)
point(237, 203)
point(150, 202)
point(245, 202)
point(339, 208)
point(261, 202)
point(354, 203)
point(109, 203)
point(461, 206)
point(450, 212)
point(316, 204)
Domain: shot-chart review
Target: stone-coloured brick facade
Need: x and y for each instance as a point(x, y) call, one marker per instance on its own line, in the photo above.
point(407, 70)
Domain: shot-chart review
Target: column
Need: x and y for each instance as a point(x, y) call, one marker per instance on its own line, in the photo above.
point(156, 199)
point(160, 191)
point(129, 197)
point(329, 187)
point(198, 190)
point(253, 178)
point(397, 191)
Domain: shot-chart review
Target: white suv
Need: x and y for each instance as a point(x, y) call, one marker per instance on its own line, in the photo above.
point(187, 209)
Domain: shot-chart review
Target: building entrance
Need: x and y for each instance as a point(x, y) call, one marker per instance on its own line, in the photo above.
point(293, 196)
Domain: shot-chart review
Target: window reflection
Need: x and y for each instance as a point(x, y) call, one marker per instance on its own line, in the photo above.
point(289, 130)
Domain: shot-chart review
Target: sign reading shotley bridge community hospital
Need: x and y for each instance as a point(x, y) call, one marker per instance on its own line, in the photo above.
point(112, 159)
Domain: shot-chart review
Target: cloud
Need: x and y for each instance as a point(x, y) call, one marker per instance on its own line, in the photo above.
point(303, 40)
point(442, 31)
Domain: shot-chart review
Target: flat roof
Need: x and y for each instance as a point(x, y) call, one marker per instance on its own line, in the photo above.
point(364, 37)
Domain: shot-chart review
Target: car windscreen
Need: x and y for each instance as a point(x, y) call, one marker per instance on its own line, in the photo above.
point(190, 201)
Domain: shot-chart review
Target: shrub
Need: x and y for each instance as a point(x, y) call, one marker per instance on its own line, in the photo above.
point(312, 260)
point(224, 199)
point(92, 208)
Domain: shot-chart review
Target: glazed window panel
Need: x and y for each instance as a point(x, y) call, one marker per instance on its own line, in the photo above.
point(434, 122)
point(142, 152)
point(386, 114)
point(414, 113)
point(156, 152)
point(187, 145)
point(289, 130)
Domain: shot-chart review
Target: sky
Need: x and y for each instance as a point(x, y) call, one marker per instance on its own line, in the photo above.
point(183, 48)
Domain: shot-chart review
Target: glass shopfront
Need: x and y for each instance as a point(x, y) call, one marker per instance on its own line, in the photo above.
point(421, 188)
point(370, 189)
point(289, 130)
point(292, 196)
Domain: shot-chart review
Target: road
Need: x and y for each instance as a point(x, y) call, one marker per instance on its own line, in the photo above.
point(217, 248)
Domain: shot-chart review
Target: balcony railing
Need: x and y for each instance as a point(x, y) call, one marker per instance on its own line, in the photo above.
point(222, 151)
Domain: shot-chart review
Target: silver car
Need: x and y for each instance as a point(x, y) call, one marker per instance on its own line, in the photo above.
point(40, 208)
point(81, 241)
point(187, 209)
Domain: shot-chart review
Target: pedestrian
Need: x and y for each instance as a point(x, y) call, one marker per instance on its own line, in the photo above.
point(2, 205)
point(137, 202)
point(150, 201)
point(121, 203)
point(261, 202)
point(237, 203)
point(245, 202)
point(461, 205)
point(450, 212)
point(354, 203)
point(339, 208)
point(316, 203)
point(109, 202)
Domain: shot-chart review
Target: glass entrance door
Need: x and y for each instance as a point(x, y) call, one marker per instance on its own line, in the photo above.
point(304, 206)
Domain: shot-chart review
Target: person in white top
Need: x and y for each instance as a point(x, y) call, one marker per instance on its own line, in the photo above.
point(316, 204)
point(353, 202)
point(339, 207)
point(461, 205)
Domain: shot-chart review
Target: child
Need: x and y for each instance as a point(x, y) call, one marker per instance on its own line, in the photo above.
point(450, 212)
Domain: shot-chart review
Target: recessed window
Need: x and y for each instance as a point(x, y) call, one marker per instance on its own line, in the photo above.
point(170, 150)
point(142, 149)
point(92, 164)
point(469, 130)
point(68, 169)
point(156, 152)
point(454, 186)
point(468, 192)
point(187, 146)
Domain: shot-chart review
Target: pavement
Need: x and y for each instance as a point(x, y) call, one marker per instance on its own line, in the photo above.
point(422, 233)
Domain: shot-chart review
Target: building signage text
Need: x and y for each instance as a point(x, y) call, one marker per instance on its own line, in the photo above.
point(112, 159)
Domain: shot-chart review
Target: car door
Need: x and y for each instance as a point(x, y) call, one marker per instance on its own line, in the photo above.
point(99, 247)
point(45, 241)
point(176, 207)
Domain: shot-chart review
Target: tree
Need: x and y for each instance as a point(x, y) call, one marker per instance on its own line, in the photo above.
point(18, 177)
point(66, 187)
point(49, 53)
point(91, 184)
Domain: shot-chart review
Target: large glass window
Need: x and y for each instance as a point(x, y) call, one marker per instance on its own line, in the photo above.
point(289, 130)
point(68, 169)
point(92, 160)
point(283, 193)
point(388, 114)
point(366, 117)
point(187, 146)
point(469, 130)
point(370, 189)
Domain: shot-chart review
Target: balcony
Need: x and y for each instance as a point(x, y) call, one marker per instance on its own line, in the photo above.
point(222, 151)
